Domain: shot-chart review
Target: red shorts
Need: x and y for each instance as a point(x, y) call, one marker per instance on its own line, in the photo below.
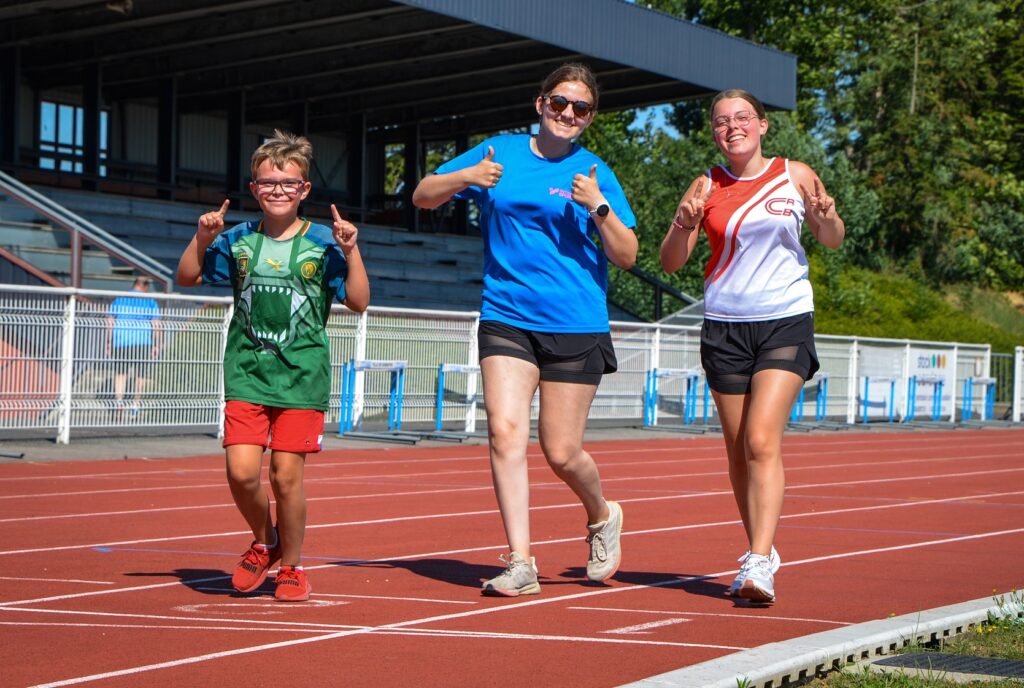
point(299, 431)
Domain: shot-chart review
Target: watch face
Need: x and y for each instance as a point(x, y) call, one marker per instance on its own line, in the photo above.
point(602, 210)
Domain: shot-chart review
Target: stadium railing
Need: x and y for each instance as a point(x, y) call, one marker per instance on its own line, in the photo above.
point(57, 376)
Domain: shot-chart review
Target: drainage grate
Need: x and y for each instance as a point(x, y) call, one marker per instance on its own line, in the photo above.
point(960, 664)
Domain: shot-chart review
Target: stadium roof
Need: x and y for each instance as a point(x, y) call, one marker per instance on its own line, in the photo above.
point(423, 62)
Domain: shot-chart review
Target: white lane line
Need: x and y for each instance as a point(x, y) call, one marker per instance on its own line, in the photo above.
point(715, 452)
point(745, 616)
point(538, 486)
point(223, 505)
point(161, 627)
point(485, 548)
point(533, 636)
point(496, 610)
point(835, 444)
point(412, 632)
point(365, 597)
point(58, 580)
point(390, 597)
point(204, 619)
point(392, 477)
point(645, 628)
point(484, 512)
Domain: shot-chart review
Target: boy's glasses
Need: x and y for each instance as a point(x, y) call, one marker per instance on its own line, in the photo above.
point(742, 119)
point(289, 187)
point(580, 108)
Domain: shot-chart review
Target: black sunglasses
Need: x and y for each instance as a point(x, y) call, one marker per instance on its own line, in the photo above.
point(580, 108)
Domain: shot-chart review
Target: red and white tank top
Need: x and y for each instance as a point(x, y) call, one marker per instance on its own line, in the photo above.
point(757, 269)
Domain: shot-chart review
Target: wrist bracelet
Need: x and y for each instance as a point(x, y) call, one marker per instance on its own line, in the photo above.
point(678, 225)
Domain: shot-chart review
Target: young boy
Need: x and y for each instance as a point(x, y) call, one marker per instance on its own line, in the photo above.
point(284, 271)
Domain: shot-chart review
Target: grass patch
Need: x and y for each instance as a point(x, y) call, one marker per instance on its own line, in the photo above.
point(1001, 636)
point(895, 680)
point(857, 302)
point(1002, 310)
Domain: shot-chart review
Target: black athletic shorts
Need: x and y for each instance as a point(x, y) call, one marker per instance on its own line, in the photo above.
point(576, 357)
point(731, 352)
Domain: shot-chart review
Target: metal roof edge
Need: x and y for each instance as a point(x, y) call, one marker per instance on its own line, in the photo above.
point(645, 38)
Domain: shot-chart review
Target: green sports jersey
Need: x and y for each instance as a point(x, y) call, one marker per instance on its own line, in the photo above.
point(277, 351)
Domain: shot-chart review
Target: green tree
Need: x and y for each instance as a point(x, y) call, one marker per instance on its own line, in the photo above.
point(922, 99)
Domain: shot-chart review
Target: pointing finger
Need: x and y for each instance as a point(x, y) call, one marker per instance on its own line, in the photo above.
point(224, 207)
point(335, 213)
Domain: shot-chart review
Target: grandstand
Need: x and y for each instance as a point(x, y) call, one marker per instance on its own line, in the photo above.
point(438, 271)
point(137, 117)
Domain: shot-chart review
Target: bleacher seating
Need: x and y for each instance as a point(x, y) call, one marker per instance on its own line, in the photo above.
point(409, 270)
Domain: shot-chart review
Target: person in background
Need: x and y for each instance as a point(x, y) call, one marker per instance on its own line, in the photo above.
point(552, 216)
point(133, 343)
point(757, 340)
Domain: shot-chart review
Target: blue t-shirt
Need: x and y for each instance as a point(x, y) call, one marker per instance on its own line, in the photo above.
point(543, 270)
point(133, 321)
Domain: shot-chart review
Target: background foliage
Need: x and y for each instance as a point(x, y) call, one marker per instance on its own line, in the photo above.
point(911, 114)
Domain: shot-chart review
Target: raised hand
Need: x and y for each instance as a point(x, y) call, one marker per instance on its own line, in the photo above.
point(690, 211)
point(345, 233)
point(486, 173)
point(819, 204)
point(212, 224)
point(586, 191)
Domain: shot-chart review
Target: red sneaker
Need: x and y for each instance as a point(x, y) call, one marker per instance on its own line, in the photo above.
point(252, 570)
point(292, 585)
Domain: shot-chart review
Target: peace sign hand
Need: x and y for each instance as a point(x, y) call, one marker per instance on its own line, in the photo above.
point(586, 191)
point(486, 173)
point(820, 204)
point(212, 224)
point(345, 233)
point(690, 211)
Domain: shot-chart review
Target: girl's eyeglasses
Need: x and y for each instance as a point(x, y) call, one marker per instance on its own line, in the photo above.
point(580, 108)
point(742, 119)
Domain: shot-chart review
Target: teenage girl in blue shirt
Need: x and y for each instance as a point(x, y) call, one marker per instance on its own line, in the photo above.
point(552, 214)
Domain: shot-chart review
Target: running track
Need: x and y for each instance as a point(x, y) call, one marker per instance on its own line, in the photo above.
point(115, 573)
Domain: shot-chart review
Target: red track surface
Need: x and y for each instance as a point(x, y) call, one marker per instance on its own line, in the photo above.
point(115, 573)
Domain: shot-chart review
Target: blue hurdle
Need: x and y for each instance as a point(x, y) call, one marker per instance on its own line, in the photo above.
point(688, 399)
point(988, 398)
point(442, 369)
point(937, 382)
point(891, 402)
point(395, 395)
point(820, 401)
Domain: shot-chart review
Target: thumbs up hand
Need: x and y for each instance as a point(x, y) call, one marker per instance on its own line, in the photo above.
point(486, 173)
point(586, 191)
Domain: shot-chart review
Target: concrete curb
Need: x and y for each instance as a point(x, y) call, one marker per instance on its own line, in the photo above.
point(778, 664)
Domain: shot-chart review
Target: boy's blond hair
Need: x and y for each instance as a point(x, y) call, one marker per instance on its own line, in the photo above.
point(282, 148)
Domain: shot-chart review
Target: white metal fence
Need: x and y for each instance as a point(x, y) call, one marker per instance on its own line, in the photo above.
point(57, 374)
point(1018, 383)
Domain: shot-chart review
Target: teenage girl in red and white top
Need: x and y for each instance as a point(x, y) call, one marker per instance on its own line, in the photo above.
point(757, 341)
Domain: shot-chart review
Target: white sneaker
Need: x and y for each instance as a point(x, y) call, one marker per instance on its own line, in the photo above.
point(518, 578)
point(759, 583)
point(774, 560)
point(605, 551)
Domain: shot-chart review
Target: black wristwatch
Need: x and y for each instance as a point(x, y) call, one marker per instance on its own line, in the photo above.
point(601, 210)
